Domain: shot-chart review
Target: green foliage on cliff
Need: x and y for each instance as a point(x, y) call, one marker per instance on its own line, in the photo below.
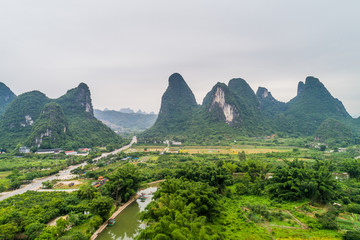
point(334, 133)
point(6, 97)
point(177, 105)
point(22, 123)
point(51, 129)
point(235, 110)
point(16, 122)
point(312, 106)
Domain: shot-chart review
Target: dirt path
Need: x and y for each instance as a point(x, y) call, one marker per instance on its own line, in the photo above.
point(303, 226)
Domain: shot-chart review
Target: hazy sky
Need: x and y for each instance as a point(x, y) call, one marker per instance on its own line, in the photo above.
point(126, 50)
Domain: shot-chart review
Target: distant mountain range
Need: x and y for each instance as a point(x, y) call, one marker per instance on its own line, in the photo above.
point(34, 120)
point(227, 111)
point(234, 110)
point(126, 120)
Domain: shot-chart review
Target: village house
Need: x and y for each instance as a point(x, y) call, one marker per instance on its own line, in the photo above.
point(101, 181)
point(84, 150)
point(24, 149)
point(49, 151)
point(70, 152)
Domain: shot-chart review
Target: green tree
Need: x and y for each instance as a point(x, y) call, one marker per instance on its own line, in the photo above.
point(101, 206)
point(61, 225)
point(88, 192)
point(49, 233)
point(33, 230)
point(123, 183)
point(8, 231)
point(95, 222)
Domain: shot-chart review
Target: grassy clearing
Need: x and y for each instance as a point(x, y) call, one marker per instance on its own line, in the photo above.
point(272, 220)
point(4, 174)
point(65, 184)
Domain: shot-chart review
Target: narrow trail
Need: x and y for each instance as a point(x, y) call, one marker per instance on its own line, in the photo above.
point(303, 226)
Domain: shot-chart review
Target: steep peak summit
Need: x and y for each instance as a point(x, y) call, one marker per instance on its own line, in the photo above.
point(175, 79)
point(83, 87)
point(241, 87)
point(179, 87)
point(310, 80)
point(178, 92)
point(313, 83)
point(77, 101)
point(300, 89)
point(263, 93)
point(176, 107)
point(237, 82)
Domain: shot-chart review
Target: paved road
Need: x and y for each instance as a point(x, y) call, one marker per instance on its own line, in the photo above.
point(167, 148)
point(63, 175)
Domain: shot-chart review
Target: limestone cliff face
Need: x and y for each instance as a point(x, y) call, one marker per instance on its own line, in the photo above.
point(84, 99)
point(77, 101)
point(50, 130)
point(263, 93)
point(221, 105)
point(28, 119)
point(268, 104)
point(23, 111)
point(220, 102)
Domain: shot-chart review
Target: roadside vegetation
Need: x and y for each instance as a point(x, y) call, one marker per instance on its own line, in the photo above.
point(222, 192)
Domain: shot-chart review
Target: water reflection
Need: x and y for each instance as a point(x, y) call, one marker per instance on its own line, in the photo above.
point(128, 224)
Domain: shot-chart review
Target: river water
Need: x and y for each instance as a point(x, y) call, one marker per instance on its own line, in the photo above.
point(128, 224)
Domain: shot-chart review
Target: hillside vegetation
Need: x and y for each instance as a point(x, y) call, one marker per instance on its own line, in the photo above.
point(233, 110)
point(37, 121)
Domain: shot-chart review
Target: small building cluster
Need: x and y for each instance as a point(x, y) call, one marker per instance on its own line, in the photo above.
point(71, 153)
point(24, 149)
point(82, 151)
point(49, 151)
point(101, 181)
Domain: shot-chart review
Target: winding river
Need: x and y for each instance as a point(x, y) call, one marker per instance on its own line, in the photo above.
point(128, 224)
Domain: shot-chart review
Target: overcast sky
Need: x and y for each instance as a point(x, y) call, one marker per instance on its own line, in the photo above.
point(126, 50)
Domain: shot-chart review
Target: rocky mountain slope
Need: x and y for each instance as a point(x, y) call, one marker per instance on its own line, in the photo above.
point(32, 118)
point(234, 109)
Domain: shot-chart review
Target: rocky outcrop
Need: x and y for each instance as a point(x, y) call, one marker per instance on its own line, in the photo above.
point(77, 101)
point(219, 101)
point(300, 89)
point(50, 130)
point(24, 110)
point(177, 104)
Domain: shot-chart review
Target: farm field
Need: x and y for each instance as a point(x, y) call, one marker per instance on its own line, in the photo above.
point(244, 192)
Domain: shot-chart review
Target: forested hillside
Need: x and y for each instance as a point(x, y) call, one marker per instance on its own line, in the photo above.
point(233, 110)
point(65, 122)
